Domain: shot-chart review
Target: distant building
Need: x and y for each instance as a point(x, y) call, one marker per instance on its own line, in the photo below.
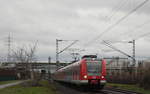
point(36, 66)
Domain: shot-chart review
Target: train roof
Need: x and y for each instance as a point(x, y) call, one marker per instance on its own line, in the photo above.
point(78, 62)
point(89, 56)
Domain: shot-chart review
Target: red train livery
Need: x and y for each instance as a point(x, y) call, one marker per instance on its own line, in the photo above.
point(87, 72)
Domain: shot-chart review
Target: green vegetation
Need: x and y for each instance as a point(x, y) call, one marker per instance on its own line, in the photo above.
point(145, 82)
point(43, 88)
point(129, 87)
point(7, 82)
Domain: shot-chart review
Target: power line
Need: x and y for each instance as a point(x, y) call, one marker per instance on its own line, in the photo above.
point(59, 52)
point(118, 8)
point(115, 8)
point(146, 34)
point(135, 30)
point(138, 27)
point(120, 20)
point(68, 46)
point(116, 49)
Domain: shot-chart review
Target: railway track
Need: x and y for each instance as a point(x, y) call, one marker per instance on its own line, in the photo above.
point(65, 89)
point(110, 91)
point(121, 91)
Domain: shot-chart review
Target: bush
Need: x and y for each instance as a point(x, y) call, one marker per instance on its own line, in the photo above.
point(145, 82)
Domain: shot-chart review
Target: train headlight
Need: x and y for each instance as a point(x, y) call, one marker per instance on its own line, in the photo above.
point(85, 76)
point(102, 77)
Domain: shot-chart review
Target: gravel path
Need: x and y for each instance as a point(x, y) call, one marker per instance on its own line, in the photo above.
point(10, 84)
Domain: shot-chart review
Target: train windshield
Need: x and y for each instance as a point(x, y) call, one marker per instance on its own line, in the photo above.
point(94, 68)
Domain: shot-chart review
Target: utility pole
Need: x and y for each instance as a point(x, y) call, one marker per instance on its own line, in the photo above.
point(49, 68)
point(133, 52)
point(9, 47)
point(59, 52)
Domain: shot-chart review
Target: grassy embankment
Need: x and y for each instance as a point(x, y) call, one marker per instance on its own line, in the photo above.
point(129, 87)
point(7, 82)
point(43, 88)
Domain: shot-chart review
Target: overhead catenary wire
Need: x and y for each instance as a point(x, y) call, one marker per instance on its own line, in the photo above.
point(119, 5)
point(118, 22)
point(112, 12)
point(116, 49)
point(137, 27)
point(141, 36)
point(68, 46)
point(117, 8)
point(134, 31)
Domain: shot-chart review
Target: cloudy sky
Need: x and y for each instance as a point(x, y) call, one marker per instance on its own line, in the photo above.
point(47, 20)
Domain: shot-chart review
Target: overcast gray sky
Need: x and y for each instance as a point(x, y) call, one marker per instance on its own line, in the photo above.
point(83, 20)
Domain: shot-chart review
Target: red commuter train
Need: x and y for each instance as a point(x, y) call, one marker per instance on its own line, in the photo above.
point(89, 71)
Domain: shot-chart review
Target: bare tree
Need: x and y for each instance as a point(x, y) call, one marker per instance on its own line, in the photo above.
point(26, 56)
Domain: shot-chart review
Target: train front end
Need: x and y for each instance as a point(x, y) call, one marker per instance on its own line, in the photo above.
point(93, 72)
